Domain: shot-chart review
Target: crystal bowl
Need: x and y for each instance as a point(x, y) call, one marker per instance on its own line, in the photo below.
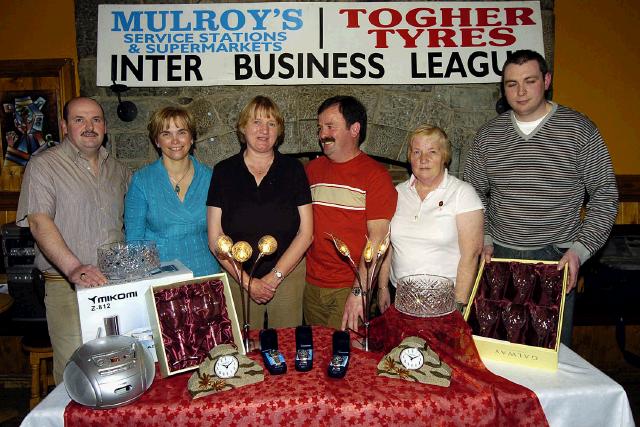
point(425, 295)
point(128, 260)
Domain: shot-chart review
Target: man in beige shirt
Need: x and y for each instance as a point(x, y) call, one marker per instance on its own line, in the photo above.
point(72, 199)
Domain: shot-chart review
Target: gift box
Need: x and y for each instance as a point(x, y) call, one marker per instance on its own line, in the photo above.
point(189, 318)
point(121, 307)
point(515, 311)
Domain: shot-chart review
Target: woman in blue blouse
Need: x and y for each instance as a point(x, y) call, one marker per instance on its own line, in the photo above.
point(166, 201)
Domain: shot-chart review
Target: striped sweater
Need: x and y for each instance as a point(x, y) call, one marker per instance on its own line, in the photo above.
point(533, 186)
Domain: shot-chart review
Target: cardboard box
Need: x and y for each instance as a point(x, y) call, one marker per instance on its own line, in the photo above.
point(127, 301)
point(505, 351)
point(191, 335)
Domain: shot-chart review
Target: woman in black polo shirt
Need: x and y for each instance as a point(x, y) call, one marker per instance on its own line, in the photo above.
point(256, 192)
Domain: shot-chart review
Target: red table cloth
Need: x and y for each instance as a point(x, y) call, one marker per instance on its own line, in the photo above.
point(476, 396)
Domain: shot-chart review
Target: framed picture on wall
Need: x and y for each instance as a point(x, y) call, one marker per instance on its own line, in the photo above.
point(32, 94)
point(28, 124)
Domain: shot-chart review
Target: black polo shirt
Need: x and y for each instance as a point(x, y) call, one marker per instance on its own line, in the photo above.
point(250, 211)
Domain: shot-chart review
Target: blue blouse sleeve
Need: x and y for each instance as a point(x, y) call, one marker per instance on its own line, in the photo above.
point(135, 211)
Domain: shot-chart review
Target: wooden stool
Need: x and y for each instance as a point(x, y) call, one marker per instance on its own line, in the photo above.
point(39, 349)
point(6, 301)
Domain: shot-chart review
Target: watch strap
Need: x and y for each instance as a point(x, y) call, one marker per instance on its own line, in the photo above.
point(279, 274)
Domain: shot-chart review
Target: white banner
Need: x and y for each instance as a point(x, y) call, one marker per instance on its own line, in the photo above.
point(312, 43)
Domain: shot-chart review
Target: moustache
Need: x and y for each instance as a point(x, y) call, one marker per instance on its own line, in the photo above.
point(326, 140)
point(89, 133)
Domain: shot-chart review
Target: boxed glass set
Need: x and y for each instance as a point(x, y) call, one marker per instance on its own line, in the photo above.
point(190, 318)
point(515, 311)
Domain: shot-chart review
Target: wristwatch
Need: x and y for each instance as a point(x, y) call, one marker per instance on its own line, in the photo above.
point(279, 275)
point(357, 291)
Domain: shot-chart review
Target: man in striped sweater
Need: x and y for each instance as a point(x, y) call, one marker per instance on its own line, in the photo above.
point(531, 166)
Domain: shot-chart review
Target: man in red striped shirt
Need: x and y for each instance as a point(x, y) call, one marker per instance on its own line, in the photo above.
point(353, 197)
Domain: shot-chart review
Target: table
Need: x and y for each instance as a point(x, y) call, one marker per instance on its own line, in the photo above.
point(576, 394)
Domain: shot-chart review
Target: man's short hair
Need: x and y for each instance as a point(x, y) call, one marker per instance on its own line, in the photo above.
point(260, 105)
point(351, 109)
point(65, 109)
point(519, 57)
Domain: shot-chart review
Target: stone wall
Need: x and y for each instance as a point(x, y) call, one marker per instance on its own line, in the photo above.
point(394, 110)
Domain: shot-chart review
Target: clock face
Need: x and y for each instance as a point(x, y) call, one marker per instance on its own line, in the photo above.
point(411, 358)
point(226, 366)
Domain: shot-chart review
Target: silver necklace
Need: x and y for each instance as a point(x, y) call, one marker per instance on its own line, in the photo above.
point(177, 187)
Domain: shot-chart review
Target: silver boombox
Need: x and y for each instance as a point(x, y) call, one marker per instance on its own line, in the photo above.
point(109, 372)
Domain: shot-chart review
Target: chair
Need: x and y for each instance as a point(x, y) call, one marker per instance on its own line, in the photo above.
point(40, 351)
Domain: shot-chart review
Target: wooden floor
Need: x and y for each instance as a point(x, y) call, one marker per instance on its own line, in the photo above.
point(14, 406)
